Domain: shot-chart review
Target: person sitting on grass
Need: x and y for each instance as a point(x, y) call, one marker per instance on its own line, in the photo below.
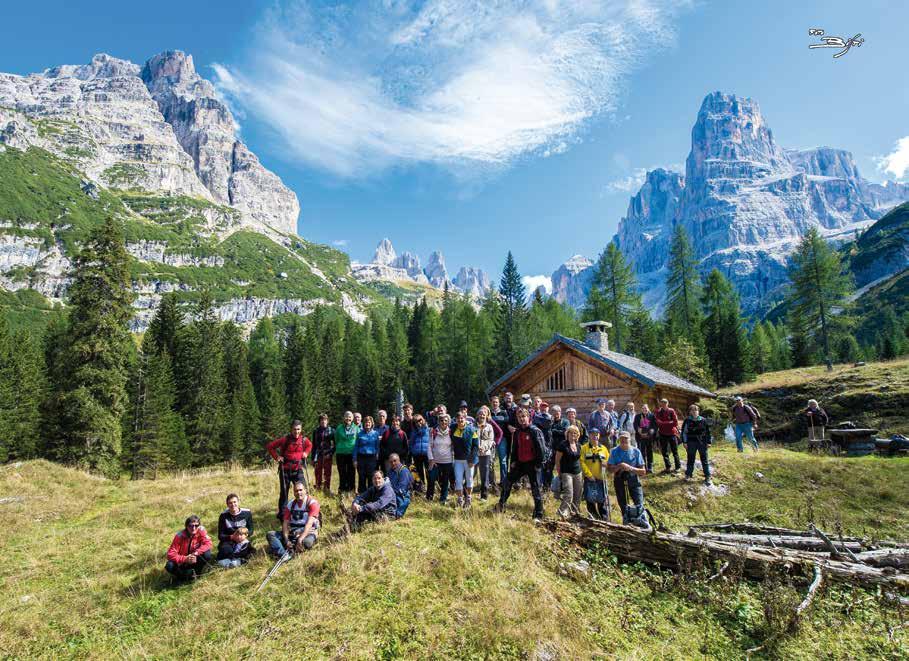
point(239, 552)
point(189, 555)
point(401, 481)
point(627, 464)
point(696, 437)
point(377, 503)
point(229, 523)
point(300, 524)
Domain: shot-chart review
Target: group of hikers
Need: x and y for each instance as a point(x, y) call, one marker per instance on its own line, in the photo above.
point(384, 461)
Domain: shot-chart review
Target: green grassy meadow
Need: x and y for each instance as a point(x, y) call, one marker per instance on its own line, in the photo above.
point(83, 575)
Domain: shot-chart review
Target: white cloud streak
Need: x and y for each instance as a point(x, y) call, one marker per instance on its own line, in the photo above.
point(628, 184)
point(353, 89)
point(897, 161)
point(531, 282)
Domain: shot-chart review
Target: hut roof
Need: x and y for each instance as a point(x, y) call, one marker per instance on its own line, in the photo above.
point(642, 371)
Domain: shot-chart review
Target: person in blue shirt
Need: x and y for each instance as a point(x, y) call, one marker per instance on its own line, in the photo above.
point(626, 464)
point(377, 503)
point(366, 453)
point(401, 481)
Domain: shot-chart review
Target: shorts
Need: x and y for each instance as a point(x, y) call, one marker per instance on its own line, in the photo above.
point(463, 474)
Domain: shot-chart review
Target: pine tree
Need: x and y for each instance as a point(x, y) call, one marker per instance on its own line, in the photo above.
point(513, 293)
point(297, 367)
point(92, 397)
point(891, 337)
point(614, 281)
point(267, 373)
point(724, 333)
point(681, 358)
point(160, 437)
point(800, 343)
point(819, 284)
point(683, 290)
point(396, 366)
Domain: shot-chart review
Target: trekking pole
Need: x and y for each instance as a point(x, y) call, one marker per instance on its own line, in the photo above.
point(603, 474)
point(284, 558)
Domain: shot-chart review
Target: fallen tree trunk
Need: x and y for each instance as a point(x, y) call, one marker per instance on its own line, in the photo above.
point(789, 542)
point(897, 558)
point(748, 528)
point(673, 551)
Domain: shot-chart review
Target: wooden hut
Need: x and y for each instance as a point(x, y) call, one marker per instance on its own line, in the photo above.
point(569, 372)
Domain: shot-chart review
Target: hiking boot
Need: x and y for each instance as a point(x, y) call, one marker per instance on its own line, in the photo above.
point(688, 478)
point(498, 508)
point(708, 482)
point(460, 502)
point(467, 503)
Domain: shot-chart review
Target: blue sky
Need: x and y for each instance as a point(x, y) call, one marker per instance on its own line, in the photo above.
point(478, 127)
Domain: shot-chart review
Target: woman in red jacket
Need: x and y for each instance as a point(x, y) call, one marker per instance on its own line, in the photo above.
point(189, 554)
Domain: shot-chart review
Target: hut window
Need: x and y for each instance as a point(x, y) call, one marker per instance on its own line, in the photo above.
point(556, 381)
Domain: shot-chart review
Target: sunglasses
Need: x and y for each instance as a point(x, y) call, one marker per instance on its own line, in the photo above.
point(193, 525)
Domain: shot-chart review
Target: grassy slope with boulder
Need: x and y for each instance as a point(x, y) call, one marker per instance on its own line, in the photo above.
point(42, 196)
point(82, 574)
point(873, 395)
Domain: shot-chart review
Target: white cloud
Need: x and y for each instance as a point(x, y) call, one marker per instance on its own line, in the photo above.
point(531, 282)
point(627, 184)
point(356, 88)
point(340, 243)
point(896, 162)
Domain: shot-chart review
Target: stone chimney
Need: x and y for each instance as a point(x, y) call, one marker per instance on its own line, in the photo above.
point(596, 337)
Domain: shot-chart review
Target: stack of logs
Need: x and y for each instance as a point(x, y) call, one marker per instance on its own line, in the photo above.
point(755, 550)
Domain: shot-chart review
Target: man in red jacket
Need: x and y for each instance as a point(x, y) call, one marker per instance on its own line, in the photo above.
point(190, 553)
point(290, 452)
point(667, 421)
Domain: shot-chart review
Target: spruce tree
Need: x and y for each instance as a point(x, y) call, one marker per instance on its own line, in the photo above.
point(724, 333)
point(680, 357)
point(166, 325)
point(615, 284)
point(92, 397)
point(891, 338)
point(244, 440)
point(643, 335)
point(160, 437)
point(267, 373)
point(206, 410)
point(513, 293)
point(297, 367)
point(819, 285)
point(683, 290)
point(761, 350)
point(396, 366)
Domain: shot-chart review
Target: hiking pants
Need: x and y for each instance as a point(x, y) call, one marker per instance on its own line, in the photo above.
point(276, 541)
point(366, 466)
point(486, 475)
point(634, 487)
point(571, 493)
point(645, 443)
point(346, 480)
point(667, 444)
point(697, 448)
point(323, 472)
point(502, 453)
point(441, 473)
point(288, 479)
point(186, 572)
point(518, 470)
point(743, 429)
point(403, 502)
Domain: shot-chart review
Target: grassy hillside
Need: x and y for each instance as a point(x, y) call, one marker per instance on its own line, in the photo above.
point(45, 199)
point(882, 248)
point(874, 395)
point(83, 574)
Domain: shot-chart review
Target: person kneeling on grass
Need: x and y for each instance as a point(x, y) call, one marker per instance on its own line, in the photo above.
point(377, 503)
point(627, 464)
point(401, 480)
point(696, 436)
point(189, 554)
point(300, 525)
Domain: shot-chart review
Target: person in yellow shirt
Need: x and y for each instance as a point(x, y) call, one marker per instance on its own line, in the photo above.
point(593, 466)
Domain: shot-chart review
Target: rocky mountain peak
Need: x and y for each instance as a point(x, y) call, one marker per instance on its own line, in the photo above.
point(731, 139)
point(471, 280)
point(173, 65)
point(435, 270)
point(385, 253)
point(101, 66)
point(824, 162)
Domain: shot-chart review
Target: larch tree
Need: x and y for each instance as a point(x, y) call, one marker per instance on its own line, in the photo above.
point(819, 287)
point(615, 282)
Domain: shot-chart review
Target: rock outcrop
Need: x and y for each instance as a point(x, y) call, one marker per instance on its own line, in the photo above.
point(435, 270)
point(472, 281)
point(156, 128)
point(571, 281)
